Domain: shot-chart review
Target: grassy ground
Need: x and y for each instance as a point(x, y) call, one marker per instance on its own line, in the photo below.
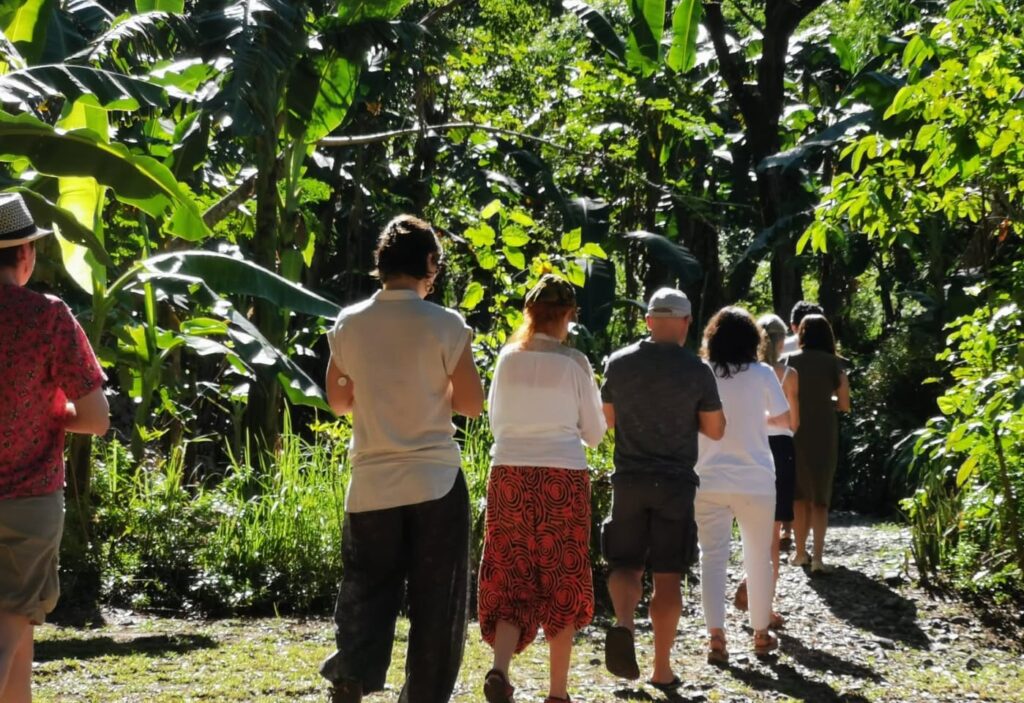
point(860, 634)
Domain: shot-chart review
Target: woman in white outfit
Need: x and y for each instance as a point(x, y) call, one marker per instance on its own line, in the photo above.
point(737, 477)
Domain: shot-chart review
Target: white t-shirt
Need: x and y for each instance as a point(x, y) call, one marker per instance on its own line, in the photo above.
point(400, 352)
point(543, 405)
point(791, 345)
point(741, 462)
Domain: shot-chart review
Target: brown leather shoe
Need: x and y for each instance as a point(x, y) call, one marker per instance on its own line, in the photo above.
point(497, 689)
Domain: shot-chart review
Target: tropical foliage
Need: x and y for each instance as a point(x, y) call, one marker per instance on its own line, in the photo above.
point(217, 172)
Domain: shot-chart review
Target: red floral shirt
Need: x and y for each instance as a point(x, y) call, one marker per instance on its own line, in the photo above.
point(45, 360)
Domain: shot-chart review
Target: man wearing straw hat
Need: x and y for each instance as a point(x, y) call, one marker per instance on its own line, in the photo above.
point(50, 383)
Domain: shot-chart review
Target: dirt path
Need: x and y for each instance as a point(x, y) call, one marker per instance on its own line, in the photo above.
point(862, 633)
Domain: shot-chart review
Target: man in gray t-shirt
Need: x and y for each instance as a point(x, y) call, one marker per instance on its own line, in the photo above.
point(657, 396)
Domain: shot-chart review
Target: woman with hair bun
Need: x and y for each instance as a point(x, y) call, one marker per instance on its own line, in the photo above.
point(535, 570)
point(737, 477)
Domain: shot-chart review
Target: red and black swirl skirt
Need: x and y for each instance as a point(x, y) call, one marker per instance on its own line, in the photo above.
point(535, 569)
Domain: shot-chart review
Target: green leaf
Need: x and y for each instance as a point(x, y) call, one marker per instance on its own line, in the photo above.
point(572, 240)
point(176, 6)
point(674, 255)
point(515, 257)
point(514, 236)
point(593, 249)
point(473, 296)
point(352, 11)
point(43, 212)
point(230, 276)
point(599, 28)
point(685, 20)
point(106, 89)
point(487, 259)
point(135, 180)
point(490, 209)
point(646, 26)
point(481, 235)
point(522, 218)
point(1004, 141)
point(25, 25)
point(966, 471)
point(320, 94)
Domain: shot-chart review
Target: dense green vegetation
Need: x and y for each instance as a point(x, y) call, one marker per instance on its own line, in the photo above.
point(218, 171)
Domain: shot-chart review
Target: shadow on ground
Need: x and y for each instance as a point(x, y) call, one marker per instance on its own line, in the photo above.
point(793, 684)
point(820, 660)
point(870, 605)
point(150, 646)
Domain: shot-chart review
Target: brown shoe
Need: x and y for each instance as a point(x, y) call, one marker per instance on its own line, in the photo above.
point(717, 653)
point(765, 643)
point(497, 689)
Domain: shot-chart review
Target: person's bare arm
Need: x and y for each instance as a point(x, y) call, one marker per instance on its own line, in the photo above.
point(90, 414)
point(339, 397)
point(467, 388)
point(609, 415)
point(712, 424)
point(780, 421)
point(843, 393)
point(792, 390)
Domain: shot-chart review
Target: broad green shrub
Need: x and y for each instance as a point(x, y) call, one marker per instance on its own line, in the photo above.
point(968, 513)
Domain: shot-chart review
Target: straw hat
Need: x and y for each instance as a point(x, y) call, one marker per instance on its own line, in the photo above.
point(16, 223)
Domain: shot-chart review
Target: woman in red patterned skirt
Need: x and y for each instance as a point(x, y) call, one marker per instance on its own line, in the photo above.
point(535, 571)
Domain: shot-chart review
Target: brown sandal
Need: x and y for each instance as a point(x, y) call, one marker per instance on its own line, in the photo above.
point(718, 655)
point(497, 689)
point(776, 621)
point(765, 643)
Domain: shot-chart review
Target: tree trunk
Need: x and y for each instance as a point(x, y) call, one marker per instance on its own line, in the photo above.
point(264, 409)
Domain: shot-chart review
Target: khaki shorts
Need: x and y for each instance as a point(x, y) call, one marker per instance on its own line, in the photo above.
point(30, 532)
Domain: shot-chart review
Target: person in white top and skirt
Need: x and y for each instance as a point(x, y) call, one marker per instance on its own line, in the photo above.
point(535, 571)
point(737, 477)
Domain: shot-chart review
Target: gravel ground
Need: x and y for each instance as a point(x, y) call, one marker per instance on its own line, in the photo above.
point(862, 633)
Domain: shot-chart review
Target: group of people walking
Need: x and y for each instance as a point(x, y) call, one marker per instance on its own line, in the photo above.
point(746, 431)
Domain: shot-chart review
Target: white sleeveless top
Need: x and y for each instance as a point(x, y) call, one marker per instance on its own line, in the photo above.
point(781, 431)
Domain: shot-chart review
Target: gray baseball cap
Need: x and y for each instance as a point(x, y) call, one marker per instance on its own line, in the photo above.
point(669, 302)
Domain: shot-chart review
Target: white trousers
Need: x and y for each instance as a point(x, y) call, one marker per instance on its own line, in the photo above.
point(755, 514)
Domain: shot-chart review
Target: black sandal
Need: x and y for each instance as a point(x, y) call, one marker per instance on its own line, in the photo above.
point(620, 653)
point(497, 689)
point(667, 687)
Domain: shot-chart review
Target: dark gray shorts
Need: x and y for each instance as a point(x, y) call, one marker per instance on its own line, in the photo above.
point(651, 524)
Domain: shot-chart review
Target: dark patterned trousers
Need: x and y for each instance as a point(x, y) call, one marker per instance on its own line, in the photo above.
point(420, 550)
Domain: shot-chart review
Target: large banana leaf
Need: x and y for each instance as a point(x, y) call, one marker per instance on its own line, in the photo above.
point(46, 213)
point(646, 27)
point(320, 93)
point(109, 90)
point(678, 258)
point(685, 22)
point(352, 11)
point(160, 6)
point(249, 344)
point(83, 198)
point(230, 276)
point(136, 180)
point(599, 28)
point(25, 24)
point(139, 39)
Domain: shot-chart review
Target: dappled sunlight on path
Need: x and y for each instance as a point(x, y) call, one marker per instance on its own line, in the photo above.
point(862, 633)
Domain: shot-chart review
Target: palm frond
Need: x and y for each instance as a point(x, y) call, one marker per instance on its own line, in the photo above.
point(142, 39)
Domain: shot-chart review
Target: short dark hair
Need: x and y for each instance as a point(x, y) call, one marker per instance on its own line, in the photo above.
point(404, 247)
point(802, 310)
point(731, 339)
point(9, 255)
point(816, 333)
